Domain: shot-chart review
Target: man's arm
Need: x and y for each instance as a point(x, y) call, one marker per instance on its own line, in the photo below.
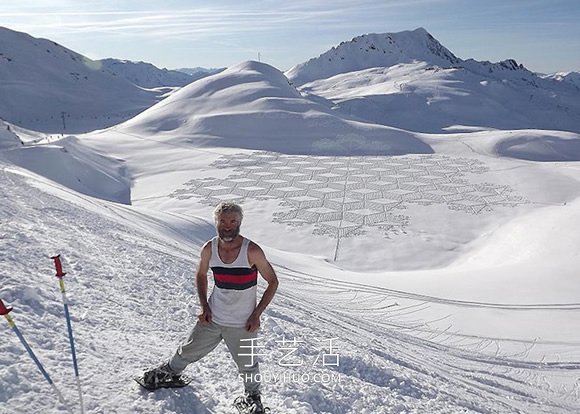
point(201, 282)
point(257, 258)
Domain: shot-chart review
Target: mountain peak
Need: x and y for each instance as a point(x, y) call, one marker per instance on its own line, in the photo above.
point(374, 50)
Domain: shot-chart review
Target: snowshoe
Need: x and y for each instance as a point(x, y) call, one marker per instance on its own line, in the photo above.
point(162, 377)
point(250, 404)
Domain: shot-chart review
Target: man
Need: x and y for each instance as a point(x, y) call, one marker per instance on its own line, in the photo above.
point(231, 312)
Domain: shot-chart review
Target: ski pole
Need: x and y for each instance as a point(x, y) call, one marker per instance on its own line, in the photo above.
point(4, 311)
point(60, 275)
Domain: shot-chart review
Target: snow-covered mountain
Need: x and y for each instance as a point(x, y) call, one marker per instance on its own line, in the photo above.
point(409, 80)
point(145, 74)
point(252, 105)
point(572, 77)
point(373, 50)
point(47, 87)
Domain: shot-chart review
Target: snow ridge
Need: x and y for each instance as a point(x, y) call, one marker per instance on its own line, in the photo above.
point(570, 77)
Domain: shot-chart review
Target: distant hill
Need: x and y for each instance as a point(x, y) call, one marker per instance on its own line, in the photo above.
point(145, 74)
point(411, 81)
point(199, 72)
point(47, 87)
point(570, 77)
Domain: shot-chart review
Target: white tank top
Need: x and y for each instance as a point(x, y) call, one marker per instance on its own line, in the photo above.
point(233, 298)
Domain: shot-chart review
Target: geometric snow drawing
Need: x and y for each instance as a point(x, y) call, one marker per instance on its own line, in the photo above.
point(344, 196)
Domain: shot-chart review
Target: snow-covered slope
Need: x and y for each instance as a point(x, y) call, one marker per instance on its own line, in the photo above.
point(409, 80)
point(68, 162)
point(145, 74)
point(252, 105)
point(46, 87)
point(8, 139)
point(494, 332)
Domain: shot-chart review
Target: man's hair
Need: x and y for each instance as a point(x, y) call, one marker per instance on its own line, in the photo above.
point(227, 207)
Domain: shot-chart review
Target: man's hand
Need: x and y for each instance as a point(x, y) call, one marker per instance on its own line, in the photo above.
point(205, 316)
point(253, 322)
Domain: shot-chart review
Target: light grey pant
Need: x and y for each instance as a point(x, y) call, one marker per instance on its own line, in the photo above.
point(204, 338)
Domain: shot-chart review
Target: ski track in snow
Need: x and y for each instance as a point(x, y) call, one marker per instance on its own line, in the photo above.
point(132, 301)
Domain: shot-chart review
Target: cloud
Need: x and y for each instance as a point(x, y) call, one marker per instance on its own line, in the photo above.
point(195, 22)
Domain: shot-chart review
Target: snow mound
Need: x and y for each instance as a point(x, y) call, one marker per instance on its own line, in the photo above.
point(534, 147)
point(252, 105)
point(70, 163)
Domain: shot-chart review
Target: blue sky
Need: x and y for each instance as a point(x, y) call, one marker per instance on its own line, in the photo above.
point(544, 35)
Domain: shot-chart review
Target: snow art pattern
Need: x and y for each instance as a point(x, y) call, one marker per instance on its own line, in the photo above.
point(341, 196)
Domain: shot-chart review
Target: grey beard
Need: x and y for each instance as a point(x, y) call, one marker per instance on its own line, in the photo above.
point(230, 235)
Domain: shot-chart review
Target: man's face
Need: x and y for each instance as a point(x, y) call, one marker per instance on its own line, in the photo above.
point(228, 226)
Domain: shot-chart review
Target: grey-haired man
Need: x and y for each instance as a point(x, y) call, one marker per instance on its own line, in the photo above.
point(231, 312)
